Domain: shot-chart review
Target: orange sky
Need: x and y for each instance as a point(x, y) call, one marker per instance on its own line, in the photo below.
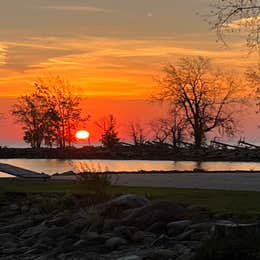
point(111, 51)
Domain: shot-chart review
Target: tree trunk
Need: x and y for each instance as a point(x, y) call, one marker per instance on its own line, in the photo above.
point(198, 136)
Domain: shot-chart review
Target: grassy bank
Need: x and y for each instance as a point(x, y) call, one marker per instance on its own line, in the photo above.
point(239, 203)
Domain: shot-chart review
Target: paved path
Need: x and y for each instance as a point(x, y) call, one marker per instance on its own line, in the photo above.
point(220, 181)
point(223, 181)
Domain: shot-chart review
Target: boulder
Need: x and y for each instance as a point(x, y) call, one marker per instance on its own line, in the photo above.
point(201, 227)
point(33, 231)
point(158, 253)
point(125, 231)
point(176, 227)
point(115, 242)
point(165, 211)
point(138, 237)
point(130, 257)
point(157, 228)
point(16, 227)
point(121, 203)
point(186, 235)
point(226, 228)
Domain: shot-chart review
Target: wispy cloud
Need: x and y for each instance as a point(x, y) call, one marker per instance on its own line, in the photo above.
point(2, 54)
point(78, 8)
point(102, 65)
point(244, 22)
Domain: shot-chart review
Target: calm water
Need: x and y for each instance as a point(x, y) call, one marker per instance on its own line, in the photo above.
point(53, 166)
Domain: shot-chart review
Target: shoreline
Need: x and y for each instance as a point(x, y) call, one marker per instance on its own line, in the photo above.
point(134, 153)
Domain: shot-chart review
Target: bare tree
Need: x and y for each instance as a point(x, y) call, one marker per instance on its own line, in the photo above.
point(171, 129)
point(235, 16)
point(253, 75)
point(137, 133)
point(50, 113)
point(160, 130)
point(58, 95)
point(203, 94)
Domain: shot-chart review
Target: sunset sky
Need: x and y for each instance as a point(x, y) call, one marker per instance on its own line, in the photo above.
point(108, 49)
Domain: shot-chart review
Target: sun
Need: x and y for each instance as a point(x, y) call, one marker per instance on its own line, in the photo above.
point(82, 134)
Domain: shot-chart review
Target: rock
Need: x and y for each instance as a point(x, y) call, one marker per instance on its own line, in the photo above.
point(176, 227)
point(16, 227)
point(162, 254)
point(163, 241)
point(121, 203)
point(149, 238)
point(28, 242)
point(189, 256)
point(88, 235)
point(200, 236)
point(106, 236)
point(201, 227)
point(144, 217)
point(96, 227)
point(125, 232)
point(80, 244)
point(35, 210)
point(160, 215)
point(51, 235)
point(24, 208)
point(66, 245)
point(185, 235)
point(13, 207)
point(115, 242)
point(33, 231)
point(130, 257)
point(138, 237)
point(157, 228)
point(9, 244)
point(182, 249)
point(6, 237)
point(60, 220)
point(109, 224)
point(76, 226)
point(227, 228)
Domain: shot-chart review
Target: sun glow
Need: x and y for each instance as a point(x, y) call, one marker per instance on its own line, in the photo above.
point(82, 134)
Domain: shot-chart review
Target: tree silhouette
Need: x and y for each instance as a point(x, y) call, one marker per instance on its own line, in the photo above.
point(203, 94)
point(170, 129)
point(137, 133)
point(33, 113)
point(50, 113)
point(109, 136)
point(235, 16)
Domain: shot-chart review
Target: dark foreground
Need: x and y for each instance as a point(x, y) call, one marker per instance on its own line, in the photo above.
point(64, 220)
point(61, 226)
point(146, 152)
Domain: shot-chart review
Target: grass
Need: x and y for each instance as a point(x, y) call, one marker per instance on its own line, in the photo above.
point(242, 203)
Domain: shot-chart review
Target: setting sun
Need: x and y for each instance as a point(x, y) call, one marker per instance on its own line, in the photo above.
point(82, 134)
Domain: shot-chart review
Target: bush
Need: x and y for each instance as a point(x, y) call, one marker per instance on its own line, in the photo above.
point(94, 178)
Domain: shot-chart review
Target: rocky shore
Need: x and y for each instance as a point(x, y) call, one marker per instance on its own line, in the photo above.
point(58, 226)
point(146, 152)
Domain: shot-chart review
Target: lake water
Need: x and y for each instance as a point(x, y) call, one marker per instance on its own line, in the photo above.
point(51, 166)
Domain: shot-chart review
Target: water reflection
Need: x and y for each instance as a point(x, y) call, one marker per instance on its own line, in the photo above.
point(52, 166)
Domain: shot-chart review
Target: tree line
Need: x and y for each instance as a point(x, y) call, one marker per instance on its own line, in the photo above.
point(200, 99)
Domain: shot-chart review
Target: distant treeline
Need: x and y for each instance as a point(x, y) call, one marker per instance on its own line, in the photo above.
point(146, 152)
